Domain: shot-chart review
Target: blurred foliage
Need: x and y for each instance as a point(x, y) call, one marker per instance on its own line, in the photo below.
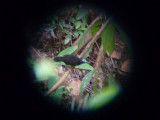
point(67, 39)
point(44, 69)
point(107, 94)
point(82, 12)
point(86, 80)
point(107, 37)
point(87, 30)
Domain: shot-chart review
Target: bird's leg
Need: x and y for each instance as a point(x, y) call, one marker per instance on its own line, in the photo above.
point(71, 69)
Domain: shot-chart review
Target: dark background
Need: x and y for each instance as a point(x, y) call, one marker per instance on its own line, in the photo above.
point(19, 99)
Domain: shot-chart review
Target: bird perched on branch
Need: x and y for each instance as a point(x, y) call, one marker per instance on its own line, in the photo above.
point(70, 60)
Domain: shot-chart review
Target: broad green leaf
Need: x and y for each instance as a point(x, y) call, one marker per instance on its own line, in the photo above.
point(86, 80)
point(67, 39)
point(68, 51)
point(80, 32)
point(87, 53)
point(82, 28)
point(44, 69)
point(78, 24)
point(81, 13)
point(85, 66)
point(95, 29)
point(76, 34)
point(72, 20)
point(107, 37)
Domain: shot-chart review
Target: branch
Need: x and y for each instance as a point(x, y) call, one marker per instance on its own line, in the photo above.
point(95, 37)
point(63, 78)
point(87, 38)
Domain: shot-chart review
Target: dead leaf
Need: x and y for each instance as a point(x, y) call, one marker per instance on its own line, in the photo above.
point(126, 66)
point(76, 87)
point(115, 54)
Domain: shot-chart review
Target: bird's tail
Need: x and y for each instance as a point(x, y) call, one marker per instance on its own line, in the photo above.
point(58, 59)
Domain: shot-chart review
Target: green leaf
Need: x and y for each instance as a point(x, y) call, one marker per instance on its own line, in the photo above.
point(81, 13)
point(86, 80)
point(85, 66)
point(95, 29)
point(78, 24)
point(80, 32)
point(76, 34)
point(87, 53)
point(67, 39)
point(55, 17)
point(95, 86)
point(72, 20)
point(68, 51)
point(86, 32)
point(84, 19)
point(67, 26)
point(82, 28)
point(107, 37)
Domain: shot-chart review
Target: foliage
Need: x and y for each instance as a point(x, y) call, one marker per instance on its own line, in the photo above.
point(87, 53)
point(86, 32)
point(44, 69)
point(86, 80)
point(81, 13)
point(95, 29)
point(107, 94)
point(85, 66)
point(95, 86)
point(107, 37)
point(67, 39)
point(68, 51)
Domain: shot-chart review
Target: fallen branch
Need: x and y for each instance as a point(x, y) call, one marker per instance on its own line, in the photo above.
point(95, 38)
point(87, 38)
point(63, 78)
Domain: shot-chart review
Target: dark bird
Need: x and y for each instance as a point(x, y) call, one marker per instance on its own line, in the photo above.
point(70, 60)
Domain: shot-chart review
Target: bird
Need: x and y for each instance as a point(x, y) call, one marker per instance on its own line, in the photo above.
point(70, 60)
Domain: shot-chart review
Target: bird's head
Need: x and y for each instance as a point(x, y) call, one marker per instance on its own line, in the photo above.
point(84, 60)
